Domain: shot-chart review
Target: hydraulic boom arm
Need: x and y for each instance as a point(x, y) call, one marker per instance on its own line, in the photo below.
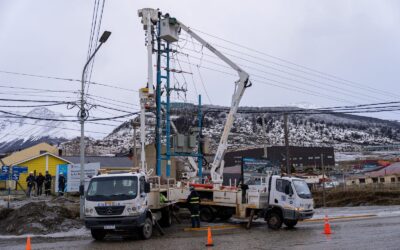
point(217, 166)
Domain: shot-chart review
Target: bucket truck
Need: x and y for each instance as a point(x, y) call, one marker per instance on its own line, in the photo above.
point(277, 199)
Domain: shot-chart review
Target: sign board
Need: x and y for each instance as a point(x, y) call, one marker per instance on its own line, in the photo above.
point(257, 167)
point(5, 169)
point(72, 175)
point(15, 177)
point(4, 177)
point(19, 170)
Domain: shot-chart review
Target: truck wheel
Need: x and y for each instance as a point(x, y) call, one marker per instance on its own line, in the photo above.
point(290, 223)
point(98, 234)
point(274, 221)
point(225, 214)
point(166, 218)
point(207, 214)
point(147, 229)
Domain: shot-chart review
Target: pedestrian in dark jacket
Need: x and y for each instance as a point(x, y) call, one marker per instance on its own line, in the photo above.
point(194, 206)
point(47, 184)
point(30, 182)
point(39, 184)
point(61, 184)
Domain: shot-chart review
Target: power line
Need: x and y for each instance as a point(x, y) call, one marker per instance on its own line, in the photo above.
point(66, 79)
point(335, 78)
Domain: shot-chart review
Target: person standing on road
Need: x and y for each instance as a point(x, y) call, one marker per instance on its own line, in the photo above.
point(194, 206)
point(61, 184)
point(39, 184)
point(30, 182)
point(47, 184)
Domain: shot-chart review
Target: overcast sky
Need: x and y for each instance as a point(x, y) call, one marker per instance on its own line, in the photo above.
point(357, 41)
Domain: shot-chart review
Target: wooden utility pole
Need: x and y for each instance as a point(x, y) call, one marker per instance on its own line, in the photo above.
point(285, 124)
point(324, 179)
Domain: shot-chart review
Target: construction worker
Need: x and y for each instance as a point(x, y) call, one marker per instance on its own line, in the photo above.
point(30, 182)
point(39, 183)
point(194, 206)
point(61, 184)
point(47, 184)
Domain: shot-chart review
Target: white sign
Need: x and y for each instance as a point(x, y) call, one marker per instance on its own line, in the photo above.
point(72, 174)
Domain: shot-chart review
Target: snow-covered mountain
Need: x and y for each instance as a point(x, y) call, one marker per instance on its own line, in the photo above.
point(344, 132)
point(17, 133)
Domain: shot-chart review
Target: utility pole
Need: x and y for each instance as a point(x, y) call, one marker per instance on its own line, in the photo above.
point(134, 145)
point(265, 136)
point(323, 178)
point(83, 115)
point(285, 124)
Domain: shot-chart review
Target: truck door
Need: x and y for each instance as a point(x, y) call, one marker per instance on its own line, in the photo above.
point(280, 197)
point(142, 194)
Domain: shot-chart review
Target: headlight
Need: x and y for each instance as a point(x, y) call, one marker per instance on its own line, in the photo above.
point(131, 210)
point(89, 211)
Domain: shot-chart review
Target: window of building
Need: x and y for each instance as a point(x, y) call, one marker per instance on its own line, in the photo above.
point(393, 179)
point(300, 158)
point(310, 157)
point(375, 180)
point(382, 179)
point(362, 180)
point(317, 157)
point(295, 158)
point(398, 179)
point(330, 156)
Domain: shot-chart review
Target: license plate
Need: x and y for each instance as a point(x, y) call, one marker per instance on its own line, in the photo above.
point(109, 227)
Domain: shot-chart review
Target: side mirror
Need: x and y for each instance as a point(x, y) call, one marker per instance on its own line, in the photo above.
point(147, 187)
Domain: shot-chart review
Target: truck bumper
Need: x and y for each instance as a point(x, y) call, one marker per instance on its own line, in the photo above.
point(302, 215)
point(297, 215)
point(115, 223)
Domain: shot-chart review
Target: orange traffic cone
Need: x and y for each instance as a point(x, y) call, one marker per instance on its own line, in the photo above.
point(209, 238)
point(327, 227)
point(28, 243)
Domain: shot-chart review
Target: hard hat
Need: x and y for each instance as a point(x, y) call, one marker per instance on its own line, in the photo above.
point(61, 173)
point(191, 188)
point(31, 172)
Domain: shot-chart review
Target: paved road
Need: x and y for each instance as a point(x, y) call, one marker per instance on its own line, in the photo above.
point(371, 233)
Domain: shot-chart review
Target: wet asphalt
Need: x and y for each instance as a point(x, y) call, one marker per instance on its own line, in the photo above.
point(367, 233)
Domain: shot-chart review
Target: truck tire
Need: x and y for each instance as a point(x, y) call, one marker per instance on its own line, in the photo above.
point(146, 231)
point(290, 223)
point(207, 214)
point(98, 234)
point(225, 214)
point(166, 217)
point(274, 221)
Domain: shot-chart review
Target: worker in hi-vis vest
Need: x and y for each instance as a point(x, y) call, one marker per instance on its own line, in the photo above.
point(194, 206)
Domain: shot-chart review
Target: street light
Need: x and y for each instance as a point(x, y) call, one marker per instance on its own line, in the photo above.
point(82, 117)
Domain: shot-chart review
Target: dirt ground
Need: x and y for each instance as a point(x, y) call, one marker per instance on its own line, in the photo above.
point(40, 216)
point(349, 198)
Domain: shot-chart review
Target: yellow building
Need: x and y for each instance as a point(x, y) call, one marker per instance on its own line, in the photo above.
point(40, 164)
point(30, 152)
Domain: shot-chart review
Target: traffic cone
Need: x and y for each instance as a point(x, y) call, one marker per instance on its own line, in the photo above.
point(209, 238)
point(327, 227)
point(28, 243)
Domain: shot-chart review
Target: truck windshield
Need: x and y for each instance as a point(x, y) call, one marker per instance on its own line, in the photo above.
point(302, 189)
point(112, 188)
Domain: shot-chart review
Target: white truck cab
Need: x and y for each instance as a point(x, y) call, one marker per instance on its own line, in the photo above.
point(290, 200)
point(120, 202)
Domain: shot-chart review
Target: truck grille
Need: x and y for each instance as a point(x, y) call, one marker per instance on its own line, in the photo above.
point(111, 210)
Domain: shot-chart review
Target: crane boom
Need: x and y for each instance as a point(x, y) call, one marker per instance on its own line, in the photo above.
point(217, 166)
